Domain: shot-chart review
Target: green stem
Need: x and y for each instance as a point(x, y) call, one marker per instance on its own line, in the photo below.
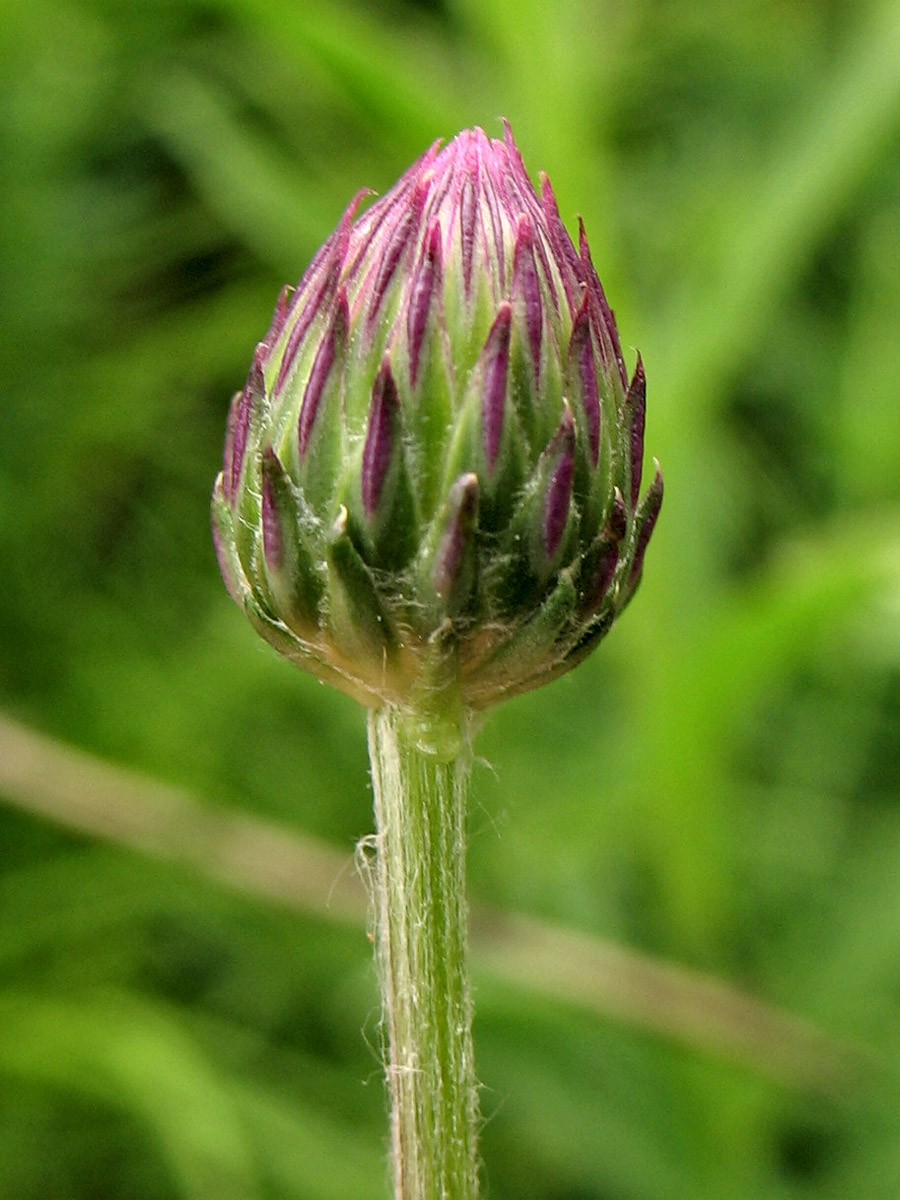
point(422, 951)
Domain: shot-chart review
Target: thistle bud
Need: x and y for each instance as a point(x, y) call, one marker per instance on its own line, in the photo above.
point(438, 450)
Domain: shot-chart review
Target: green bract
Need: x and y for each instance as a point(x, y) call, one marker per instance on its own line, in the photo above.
point(432, 475)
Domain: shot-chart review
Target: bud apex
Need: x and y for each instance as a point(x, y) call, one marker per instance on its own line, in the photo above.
point(433, 471)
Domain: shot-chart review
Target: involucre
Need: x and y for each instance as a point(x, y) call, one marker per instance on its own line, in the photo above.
point(432, 475)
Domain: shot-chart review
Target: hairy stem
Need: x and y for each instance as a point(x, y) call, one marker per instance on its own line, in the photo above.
point(422, 952)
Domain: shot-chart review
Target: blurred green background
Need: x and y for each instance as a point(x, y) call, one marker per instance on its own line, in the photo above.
point(701, 824)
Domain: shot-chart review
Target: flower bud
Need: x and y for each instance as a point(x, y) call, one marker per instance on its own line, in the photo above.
point(438, 450)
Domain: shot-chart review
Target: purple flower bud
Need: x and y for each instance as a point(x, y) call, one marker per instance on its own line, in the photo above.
point(448, 452)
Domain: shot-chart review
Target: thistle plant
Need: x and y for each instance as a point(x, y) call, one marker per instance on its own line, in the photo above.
point(431, 499)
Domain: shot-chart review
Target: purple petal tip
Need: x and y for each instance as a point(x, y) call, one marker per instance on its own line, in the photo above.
point(582, 365)
point(239, 418)
point(559, 491)
point(494, 385)
point(527, 290)
point(652, 504)
point(425, 284)
point(379, 437)
point(329, 349)
point(635, 404)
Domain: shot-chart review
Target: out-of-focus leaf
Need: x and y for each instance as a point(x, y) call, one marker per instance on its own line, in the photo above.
point(120, 1050)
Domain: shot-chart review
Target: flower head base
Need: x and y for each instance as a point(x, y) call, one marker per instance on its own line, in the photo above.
point(433, 472)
